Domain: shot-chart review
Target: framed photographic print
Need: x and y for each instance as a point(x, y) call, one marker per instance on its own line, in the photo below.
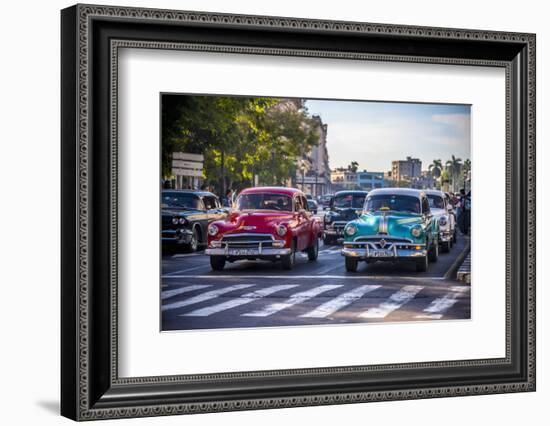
point(265, 212)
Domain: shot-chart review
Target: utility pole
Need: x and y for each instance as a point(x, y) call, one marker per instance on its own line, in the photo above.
point(222, 183)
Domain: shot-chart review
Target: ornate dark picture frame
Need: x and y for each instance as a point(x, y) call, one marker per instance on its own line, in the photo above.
point(91, 37)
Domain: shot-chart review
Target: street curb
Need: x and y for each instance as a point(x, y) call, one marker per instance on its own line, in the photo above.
point(458, 262)
point(464, 272)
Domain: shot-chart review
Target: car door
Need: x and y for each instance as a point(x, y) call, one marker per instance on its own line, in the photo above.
point(213, 208)
point(304, 227)
point(429, 220)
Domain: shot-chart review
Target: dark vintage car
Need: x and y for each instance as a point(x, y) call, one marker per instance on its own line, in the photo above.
point(268, 223)
point(312, 206)
point(344, 206)
point(185, 218)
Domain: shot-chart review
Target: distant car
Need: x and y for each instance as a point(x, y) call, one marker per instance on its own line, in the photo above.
point(312, 206)
point(344, 206)
point(324, 201)
point(443, 212)
point(397, 224)
point(185, 217)
point(309, 197)
point(269, 223)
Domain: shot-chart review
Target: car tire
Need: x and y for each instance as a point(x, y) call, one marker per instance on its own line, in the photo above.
point(351, 264)
point(313, 251)
point(422, 264)
point(446, 247)
point(288, 260)
point(433, 253)
point(194, 243)
point(217, 262)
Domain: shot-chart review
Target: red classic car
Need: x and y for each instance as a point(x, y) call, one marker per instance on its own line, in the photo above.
point(270, 223)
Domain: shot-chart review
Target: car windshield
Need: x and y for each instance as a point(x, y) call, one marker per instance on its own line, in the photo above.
point(392, 202)
point(264, 201)
point(175, 200)
point(436, 202)
point(346, 201)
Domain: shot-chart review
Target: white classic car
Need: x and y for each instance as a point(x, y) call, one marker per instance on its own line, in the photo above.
point(443, 212)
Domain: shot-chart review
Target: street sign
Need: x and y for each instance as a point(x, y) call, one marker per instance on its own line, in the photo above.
point(187, 172)
point(186, 164)
point(181, 164)
point(186, 156)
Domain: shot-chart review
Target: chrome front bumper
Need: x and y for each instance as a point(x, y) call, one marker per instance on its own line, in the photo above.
point(400, 250)
point(372, 254)
point(445, 236)
point(252, 245)
point(247, 252)
point(177, 236)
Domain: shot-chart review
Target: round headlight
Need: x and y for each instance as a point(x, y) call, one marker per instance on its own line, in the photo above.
point(350, 229)
point(443, 221)
point(182, 221)
point(416, 231)
point(175, 220)
point(281, 230)
point(212, 230)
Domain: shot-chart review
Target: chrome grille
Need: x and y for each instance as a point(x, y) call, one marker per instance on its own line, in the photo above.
point(247, 241)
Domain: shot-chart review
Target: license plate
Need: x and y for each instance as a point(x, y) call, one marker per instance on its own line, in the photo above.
point(242, 252)
point(381, 253)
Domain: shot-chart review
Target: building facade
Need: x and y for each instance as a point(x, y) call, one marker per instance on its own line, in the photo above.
point(406, 170)
point(313, 171)
point(370, 180)
point(343, 178)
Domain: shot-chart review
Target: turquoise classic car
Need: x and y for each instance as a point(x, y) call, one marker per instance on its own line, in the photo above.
point(396, 225)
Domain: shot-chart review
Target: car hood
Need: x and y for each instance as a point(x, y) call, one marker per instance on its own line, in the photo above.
point(255, 221)
point(438, 212)
point(393, 224)
point(346, 214)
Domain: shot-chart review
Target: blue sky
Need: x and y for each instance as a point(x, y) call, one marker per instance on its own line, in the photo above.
point(375, 133)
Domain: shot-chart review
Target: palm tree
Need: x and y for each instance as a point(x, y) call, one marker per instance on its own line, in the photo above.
point(454, 165)
point(354, 165)
point(436, 168)
point(467, 166)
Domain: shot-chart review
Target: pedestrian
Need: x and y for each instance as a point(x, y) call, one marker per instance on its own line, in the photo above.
point(227, 199)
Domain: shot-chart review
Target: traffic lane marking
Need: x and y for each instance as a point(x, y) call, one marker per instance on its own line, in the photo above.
point(340, 302)
point(242, 300)
point(204, 296)
point(291, 301)
point(438, 307)
point(393, 303)
point(300, 277)
point(175, 292)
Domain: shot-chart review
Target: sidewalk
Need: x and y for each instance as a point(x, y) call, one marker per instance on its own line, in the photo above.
point(463, 273)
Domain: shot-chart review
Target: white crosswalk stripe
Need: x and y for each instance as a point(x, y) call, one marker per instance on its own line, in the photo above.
point(395, 301)
point(204, 296)
point(171, 293)
point(340, 301)
point(292, 300)
point(244, 299)
point(439, 306)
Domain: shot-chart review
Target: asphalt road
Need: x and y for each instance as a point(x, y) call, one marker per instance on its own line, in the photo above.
point(261, 294)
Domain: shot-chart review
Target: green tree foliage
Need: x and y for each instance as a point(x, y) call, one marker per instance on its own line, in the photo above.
point(239, 137)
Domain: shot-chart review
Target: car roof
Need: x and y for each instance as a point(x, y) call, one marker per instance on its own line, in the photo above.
point(188, 191)
point(434, 192)
point(273, 190)
point(398, 191)
point(351, 191)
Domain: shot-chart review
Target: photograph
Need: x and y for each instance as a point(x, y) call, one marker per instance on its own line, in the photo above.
point(284, 211)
